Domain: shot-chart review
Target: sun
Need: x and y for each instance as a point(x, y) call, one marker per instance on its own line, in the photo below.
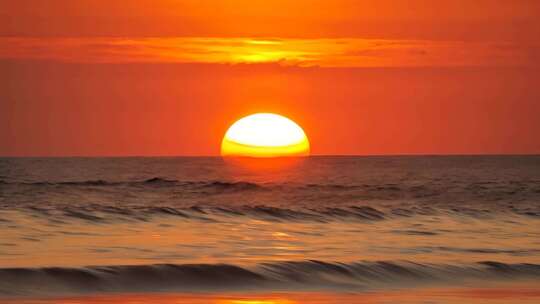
point(265, 135)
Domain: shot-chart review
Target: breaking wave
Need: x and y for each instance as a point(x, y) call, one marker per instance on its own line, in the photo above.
point(104, 213)
point(155, 181)
point(298, 275)
point(99, 200)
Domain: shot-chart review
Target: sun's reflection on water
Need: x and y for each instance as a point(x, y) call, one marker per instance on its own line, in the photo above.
point(510, 293)
point(264, 164)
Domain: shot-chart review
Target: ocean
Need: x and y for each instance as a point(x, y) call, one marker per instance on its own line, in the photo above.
point(344, 224)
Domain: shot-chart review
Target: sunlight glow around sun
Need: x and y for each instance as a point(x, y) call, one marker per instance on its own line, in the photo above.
point(265, 135)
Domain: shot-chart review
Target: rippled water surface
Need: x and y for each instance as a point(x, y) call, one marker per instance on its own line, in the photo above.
point(90, 225)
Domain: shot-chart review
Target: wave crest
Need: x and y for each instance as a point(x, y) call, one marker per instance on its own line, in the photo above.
point(294, 275)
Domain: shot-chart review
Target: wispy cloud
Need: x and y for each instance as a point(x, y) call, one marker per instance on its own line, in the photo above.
point(299, 52)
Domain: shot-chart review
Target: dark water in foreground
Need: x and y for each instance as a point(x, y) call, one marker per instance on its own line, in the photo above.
point(325, 223)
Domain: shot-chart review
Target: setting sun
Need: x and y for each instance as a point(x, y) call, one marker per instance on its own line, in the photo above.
point(265, 135)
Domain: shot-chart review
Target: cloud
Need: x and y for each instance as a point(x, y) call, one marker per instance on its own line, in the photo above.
point(340, 52)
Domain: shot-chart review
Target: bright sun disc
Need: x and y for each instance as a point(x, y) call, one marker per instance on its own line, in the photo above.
point(265, 135)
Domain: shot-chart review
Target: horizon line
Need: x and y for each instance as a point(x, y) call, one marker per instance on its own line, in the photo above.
point(315, 156)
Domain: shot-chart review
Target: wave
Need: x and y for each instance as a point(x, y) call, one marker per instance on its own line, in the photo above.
point(462, 192)
point(99, 199)
point(103, 213)
point(294, 275)
point(110, 214)
point(154, 181)
point(438, 191)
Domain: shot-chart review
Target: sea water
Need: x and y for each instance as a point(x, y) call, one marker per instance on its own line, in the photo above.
point(72, 226)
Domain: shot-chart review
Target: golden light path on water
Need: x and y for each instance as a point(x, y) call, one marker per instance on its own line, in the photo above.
point(524, 294)
point(122, 242)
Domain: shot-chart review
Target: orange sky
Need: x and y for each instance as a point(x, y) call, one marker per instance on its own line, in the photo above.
point(413, 19)
point(361, 77)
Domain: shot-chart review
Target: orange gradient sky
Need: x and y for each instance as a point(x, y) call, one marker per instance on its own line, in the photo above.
point(361, 77)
